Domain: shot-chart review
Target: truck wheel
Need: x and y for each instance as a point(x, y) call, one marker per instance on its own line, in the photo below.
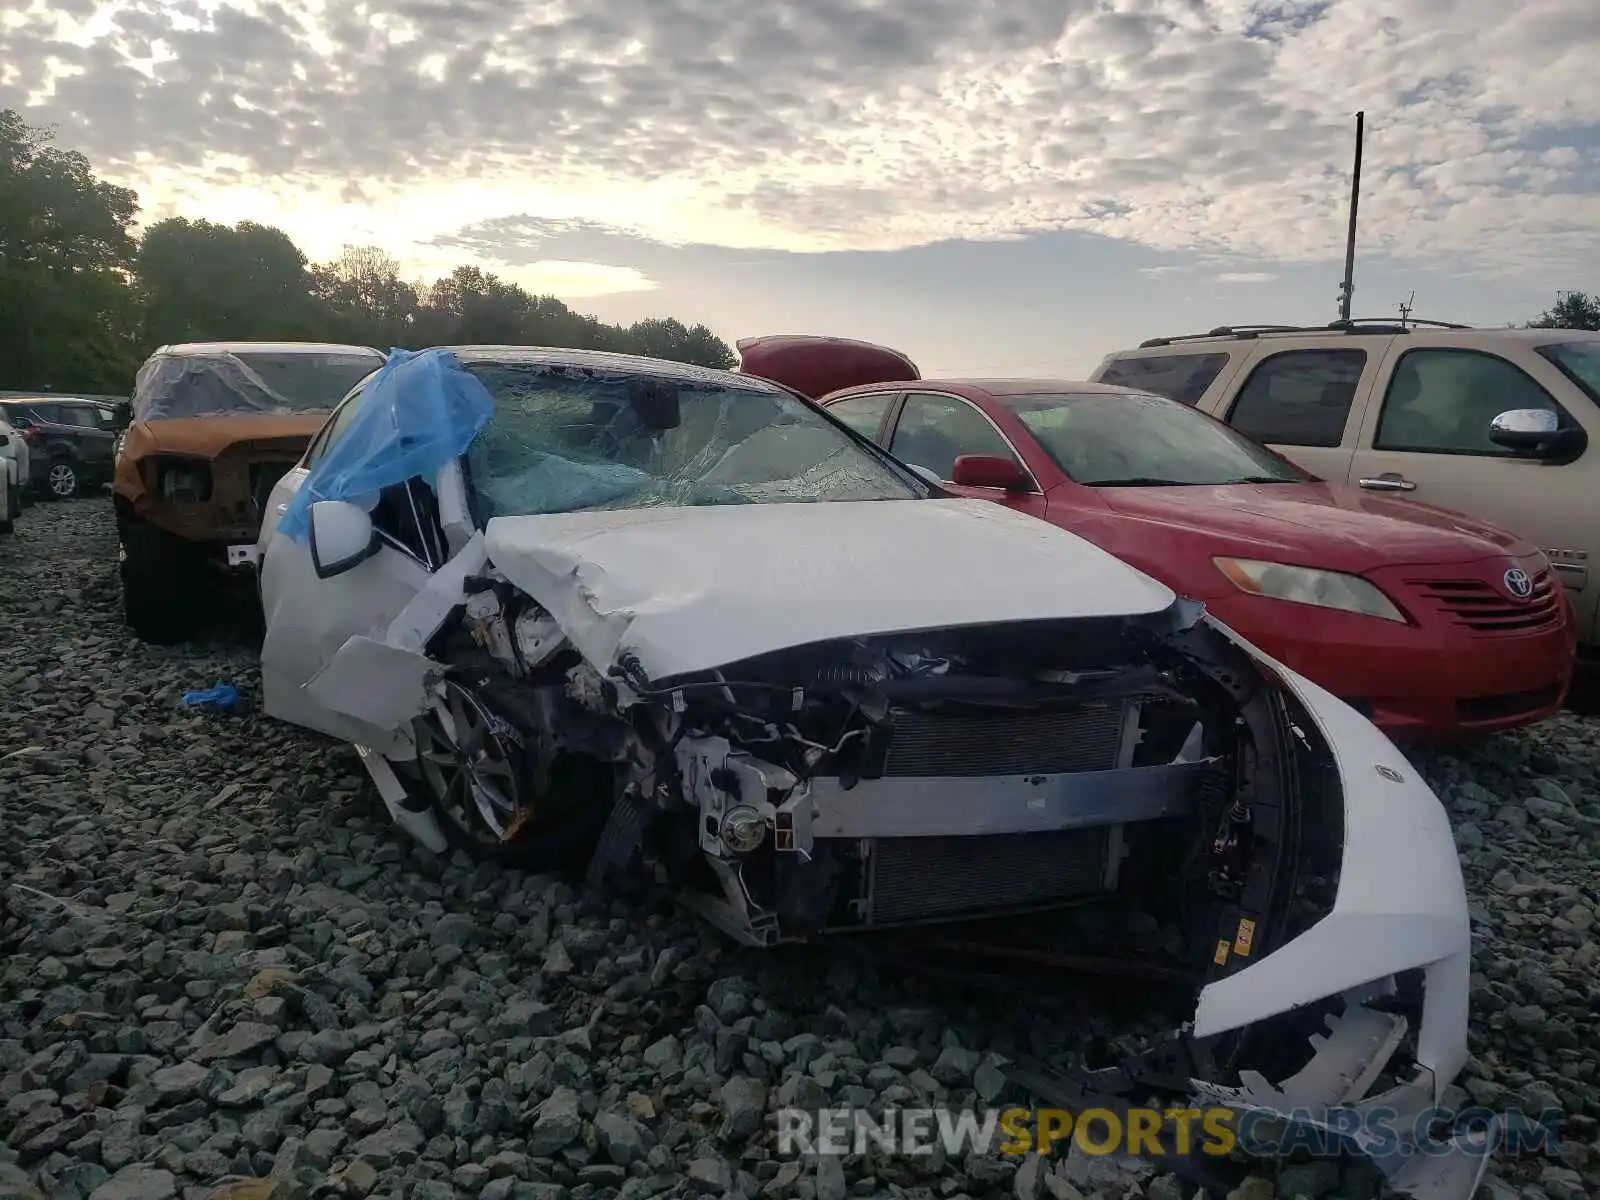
point(157, 583)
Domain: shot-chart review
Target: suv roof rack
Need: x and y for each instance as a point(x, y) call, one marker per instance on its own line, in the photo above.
point(1353, 325)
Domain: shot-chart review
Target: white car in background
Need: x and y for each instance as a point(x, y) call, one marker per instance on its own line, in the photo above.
point(652, 621)
point(14, 460)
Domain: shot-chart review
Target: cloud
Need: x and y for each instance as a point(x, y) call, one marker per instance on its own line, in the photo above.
point(576, 280)
point(1218, 126)
point(1246, 277)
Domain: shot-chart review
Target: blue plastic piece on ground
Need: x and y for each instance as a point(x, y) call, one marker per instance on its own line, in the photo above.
point(421, 411)
point(223, 697)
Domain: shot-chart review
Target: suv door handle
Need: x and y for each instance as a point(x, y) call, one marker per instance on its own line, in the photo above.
point(1389, 481)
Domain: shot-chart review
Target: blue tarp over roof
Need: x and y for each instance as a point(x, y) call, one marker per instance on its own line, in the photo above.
point(419, 412)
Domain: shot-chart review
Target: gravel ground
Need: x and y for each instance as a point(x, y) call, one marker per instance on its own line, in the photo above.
point(218, 964)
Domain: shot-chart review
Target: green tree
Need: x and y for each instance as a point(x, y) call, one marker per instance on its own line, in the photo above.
point(1572, 310)
point(68, 316)
point(365, 300)
point(667, 337)
point(200, 281)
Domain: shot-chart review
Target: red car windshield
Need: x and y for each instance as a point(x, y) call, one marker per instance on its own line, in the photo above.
point(1109, 439)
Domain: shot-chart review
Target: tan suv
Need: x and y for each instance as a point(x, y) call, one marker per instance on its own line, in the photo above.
point(1495, 423)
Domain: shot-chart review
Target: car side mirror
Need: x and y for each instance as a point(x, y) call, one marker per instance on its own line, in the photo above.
point(122, 414)
point(1531, 430)
point(341, 537)
point(655, 403)
point(989, 471)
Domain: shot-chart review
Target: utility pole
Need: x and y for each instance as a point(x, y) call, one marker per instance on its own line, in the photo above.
point(1405, 307)
point(1348, 286)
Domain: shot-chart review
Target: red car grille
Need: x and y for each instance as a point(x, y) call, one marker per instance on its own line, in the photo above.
point(1483, 608)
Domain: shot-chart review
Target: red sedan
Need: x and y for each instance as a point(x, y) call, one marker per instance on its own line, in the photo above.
point(1430, 623)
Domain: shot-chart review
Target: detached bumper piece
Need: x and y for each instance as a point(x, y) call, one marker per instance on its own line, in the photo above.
point(1324, 1105)
point(1328, 1097)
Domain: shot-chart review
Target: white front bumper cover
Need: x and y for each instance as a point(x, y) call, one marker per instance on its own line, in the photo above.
point(1401, 906)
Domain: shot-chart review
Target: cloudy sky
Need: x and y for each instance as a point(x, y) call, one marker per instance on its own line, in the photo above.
point(1008, 185)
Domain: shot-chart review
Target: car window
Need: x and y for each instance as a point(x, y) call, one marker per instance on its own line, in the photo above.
point(1114, 439)
point(76, 414)
point(1579, 362)
point(1443, 400)
point(1181, 377)
point(204, 384)
point(934, 430)
point(864, 414)
point(1299, 397)
point(406, 522)
point(564, 439)
point(332, 429)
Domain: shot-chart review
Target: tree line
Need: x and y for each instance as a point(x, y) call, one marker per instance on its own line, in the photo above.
point(1572, 310)
point(84, 300)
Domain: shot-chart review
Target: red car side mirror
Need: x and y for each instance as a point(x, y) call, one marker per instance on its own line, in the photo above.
point(989, 471)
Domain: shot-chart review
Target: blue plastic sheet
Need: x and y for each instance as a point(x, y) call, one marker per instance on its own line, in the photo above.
point(420, 411)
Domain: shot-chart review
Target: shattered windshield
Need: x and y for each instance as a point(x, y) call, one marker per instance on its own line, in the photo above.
point(256, 381)
point(1106, 439)
point(565, 439)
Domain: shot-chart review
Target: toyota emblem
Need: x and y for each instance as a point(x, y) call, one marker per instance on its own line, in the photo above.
point(1518, 583)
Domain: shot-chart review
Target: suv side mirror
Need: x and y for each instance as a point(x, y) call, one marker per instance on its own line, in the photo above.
point(1531, 430)
point(122, 414)
point(341, 537)
point(989, 471)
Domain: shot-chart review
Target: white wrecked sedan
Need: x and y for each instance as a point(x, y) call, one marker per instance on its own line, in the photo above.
point(639, 618)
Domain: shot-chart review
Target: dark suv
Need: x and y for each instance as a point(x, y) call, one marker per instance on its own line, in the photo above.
point(71, 441)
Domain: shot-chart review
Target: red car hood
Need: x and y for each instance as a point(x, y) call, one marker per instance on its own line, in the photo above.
point(1334, 526)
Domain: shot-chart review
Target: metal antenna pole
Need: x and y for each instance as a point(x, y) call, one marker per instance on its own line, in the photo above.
point(1348, 286)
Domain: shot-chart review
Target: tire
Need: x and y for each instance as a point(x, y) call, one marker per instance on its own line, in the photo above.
point(24, 495)
point(10, 508)
point(559, 837)
point(62, 481)
point(157, 582)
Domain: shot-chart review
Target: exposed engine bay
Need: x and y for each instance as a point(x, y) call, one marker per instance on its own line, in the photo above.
point(869, 783)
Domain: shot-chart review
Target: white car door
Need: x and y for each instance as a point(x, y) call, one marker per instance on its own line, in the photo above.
point(309, 618)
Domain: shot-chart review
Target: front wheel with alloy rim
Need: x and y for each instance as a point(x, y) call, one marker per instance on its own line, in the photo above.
point(473, 770)
point(62, 481)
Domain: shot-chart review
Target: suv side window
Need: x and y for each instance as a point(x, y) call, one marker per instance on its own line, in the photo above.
point(1180, 377)
point(1442, 400)
point(934, 430)
point(1299, 397)
point(864, 414)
